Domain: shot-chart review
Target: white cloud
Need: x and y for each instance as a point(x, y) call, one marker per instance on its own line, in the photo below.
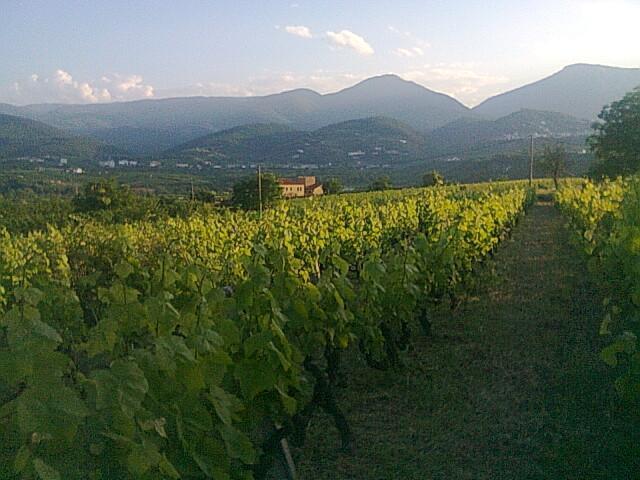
point(207, 89)
point(464, 81)
point(348, 39)
point(299, 31)
point(409, 52)
point(62, 87)
point(128, 87)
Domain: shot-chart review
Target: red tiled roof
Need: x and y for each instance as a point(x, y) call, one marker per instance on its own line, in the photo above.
point(291, 181)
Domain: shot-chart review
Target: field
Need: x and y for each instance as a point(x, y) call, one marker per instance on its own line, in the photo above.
point(446, 332)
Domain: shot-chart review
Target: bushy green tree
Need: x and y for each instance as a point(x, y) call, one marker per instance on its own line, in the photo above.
point(102, 195)
point(206, 195)
point(616, 141)
point(432, 178)
point(246, 194)
point(383, 182)
point(107, 201)
point(332, 186)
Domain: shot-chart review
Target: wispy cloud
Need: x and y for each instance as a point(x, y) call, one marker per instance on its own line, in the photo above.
point(465, 81)
point(468, 82)
point(127, 87)
point(409, 52)
point(299, 31)
point(319, 80)
point(350, 40)
point(418, 41)
point(62, 87)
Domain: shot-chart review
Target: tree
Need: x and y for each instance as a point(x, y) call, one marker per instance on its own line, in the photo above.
point(383, 182)
point(333, 185)
point(206, 196)
point(616, 141)
point(432, 178)
point(103, 195)
point(246, 193)
point(554, 162)
point(107, 201)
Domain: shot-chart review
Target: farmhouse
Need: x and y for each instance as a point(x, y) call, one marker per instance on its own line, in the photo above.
point(300, 187)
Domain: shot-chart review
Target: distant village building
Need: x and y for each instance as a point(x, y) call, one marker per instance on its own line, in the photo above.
point(306, 186)
point(107, 163)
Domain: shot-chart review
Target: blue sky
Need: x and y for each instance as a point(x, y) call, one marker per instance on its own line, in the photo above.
point(79, 51)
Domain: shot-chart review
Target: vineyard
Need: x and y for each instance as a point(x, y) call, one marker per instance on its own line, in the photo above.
point(605, 218)
point(189, 348)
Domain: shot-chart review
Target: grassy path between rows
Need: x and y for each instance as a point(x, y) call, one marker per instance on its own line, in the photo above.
point(509, 386)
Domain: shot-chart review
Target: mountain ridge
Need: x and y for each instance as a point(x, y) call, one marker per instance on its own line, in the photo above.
point(153, 126)
point(373, 140)
point(579, 90)
point(23, 137)
point(172, 121)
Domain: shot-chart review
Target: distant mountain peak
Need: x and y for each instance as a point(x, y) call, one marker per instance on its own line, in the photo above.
point(385, 81)
point(595, 66)
point(580, 90)
point(296, 92)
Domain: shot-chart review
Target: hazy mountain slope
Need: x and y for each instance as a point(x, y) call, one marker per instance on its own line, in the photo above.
point(391, 96)
point(145, 141)
point(22, 137)
point(370, 140)
point(245, 144)
point(140, 125)
point(579, 90)
point(7, 109)
point(462, 136)
point(155, 126)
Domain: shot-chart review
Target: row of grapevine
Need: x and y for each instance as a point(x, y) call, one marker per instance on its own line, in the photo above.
point(606, 219)
point(190, 348)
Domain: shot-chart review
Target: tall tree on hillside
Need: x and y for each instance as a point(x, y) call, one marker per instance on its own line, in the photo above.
point(246, 193)
point(616, 141)
point(555, 162)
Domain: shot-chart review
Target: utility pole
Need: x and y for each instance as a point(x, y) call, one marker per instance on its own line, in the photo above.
point(193, 194)
point(531, 161)
point(260, 189)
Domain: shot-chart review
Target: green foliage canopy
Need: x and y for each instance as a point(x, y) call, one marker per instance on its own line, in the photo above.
point(616, 141)
point(383, 182)
point(333, 185)
point(246, 194)
point(433, 178)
